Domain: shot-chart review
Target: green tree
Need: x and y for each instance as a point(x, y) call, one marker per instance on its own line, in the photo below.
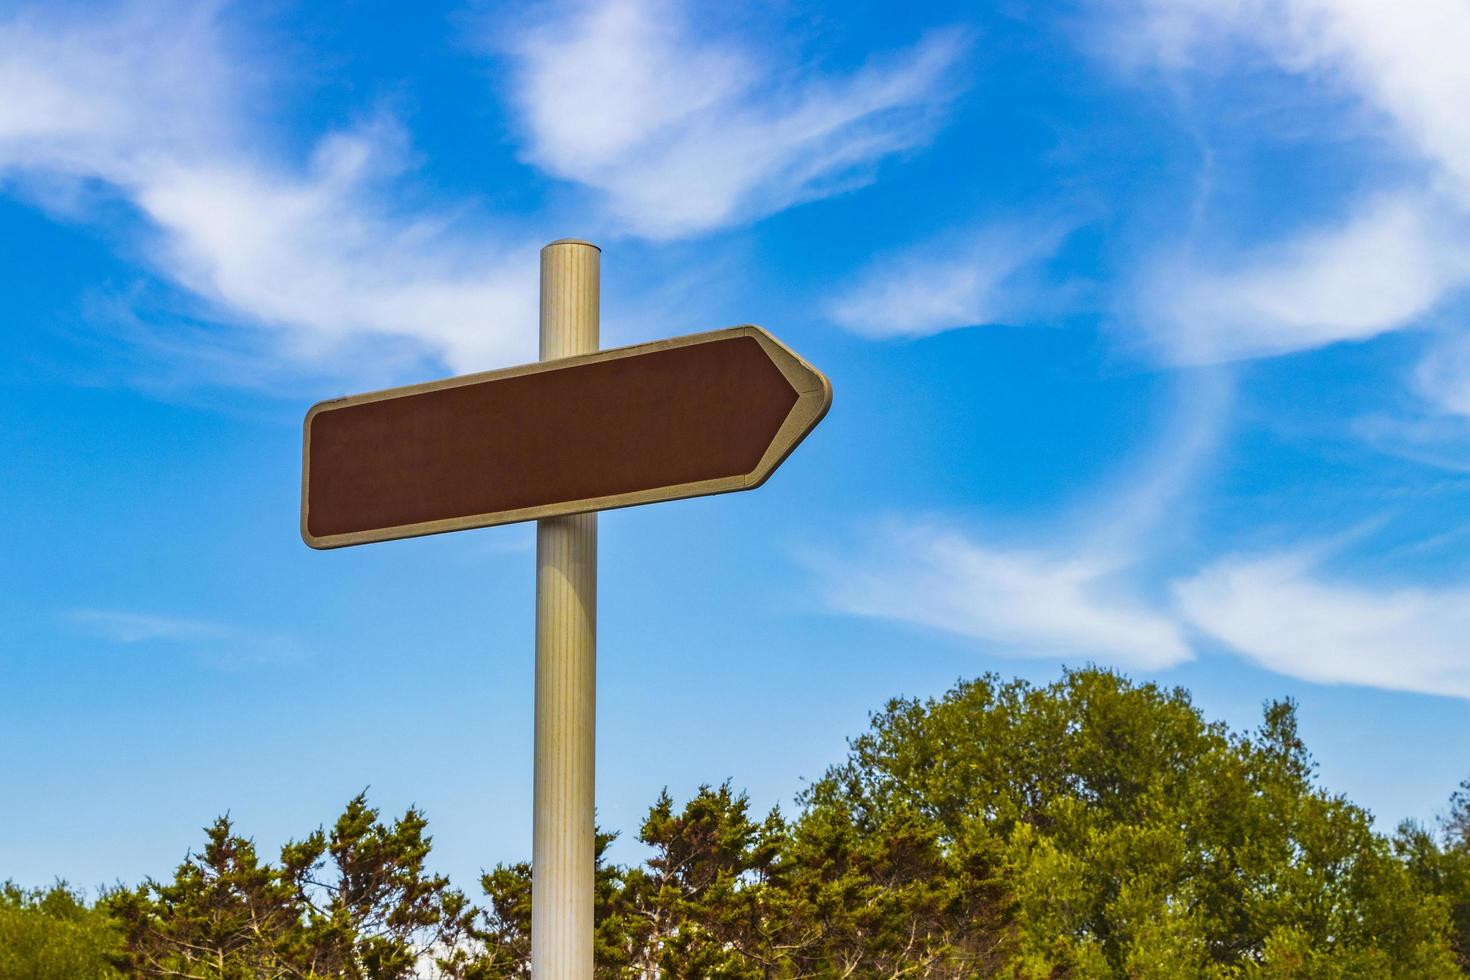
point(353, 902)
point(371, 907)
point(1144, 841)
point(1088, 828)
point(883, 895)
point(691, 911)
point(1440, 863)
point(1455, 884)
point(506, 933)
point(724, 895)
point(225, 915)
point(502, 933)
point(52, 934)
point(696, 907)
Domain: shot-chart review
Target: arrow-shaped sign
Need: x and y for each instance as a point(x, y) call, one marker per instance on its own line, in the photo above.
point(702, 414)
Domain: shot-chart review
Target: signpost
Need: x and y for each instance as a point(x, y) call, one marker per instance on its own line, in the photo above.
point(555, 442)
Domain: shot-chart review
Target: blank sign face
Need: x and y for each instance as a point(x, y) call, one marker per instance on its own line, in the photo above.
point(703, 414)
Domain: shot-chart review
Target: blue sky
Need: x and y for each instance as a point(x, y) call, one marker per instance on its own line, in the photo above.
point(1146, 322)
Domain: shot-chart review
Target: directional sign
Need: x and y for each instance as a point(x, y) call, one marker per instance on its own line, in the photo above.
point(702, 414)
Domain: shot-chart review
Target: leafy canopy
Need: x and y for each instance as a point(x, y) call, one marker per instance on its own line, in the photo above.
point(53, 934)
point(1089, 828)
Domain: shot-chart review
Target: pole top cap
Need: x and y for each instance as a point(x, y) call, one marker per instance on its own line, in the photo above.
point(570, 241)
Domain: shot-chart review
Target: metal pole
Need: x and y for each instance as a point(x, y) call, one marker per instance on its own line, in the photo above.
point(562, 849)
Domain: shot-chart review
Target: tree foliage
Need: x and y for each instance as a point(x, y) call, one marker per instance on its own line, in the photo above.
point(1144, 841)
point(53, 934)
point(728, 895)
point(1090, 828)
point(353, 902)
point(1440, 864)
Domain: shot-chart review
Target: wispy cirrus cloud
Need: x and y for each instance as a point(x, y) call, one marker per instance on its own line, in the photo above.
point(221, 644)
point(1029, 602)
point(1444, 376)
point(1078, 587)
point(1404, 62)
point(166, 108)
point(319, 255)
point(968, 278)
point(1105, 584)
point(1384, 269)
point(679, 133)
point(109, 92)
point(1399, 249)
point(158, 105)
point(1281, 611)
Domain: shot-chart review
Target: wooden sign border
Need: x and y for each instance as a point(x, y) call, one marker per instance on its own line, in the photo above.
point(814, 398)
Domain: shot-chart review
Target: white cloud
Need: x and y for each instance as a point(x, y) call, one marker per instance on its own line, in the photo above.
point(93, 93)
point(218, 643)
point(684, 134)
point(1396, 256)
point(1403, 60)
point(1443, 376)
point(1280, 612)
point(152, 102)
point(1020, 602)
point(980, 277)
point(1070, 592)
point(132, 627)
point(1382, 270)
point(318, 253)
point(1440, 441)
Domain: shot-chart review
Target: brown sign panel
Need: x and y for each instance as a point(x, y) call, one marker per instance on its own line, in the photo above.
point(707, 413)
